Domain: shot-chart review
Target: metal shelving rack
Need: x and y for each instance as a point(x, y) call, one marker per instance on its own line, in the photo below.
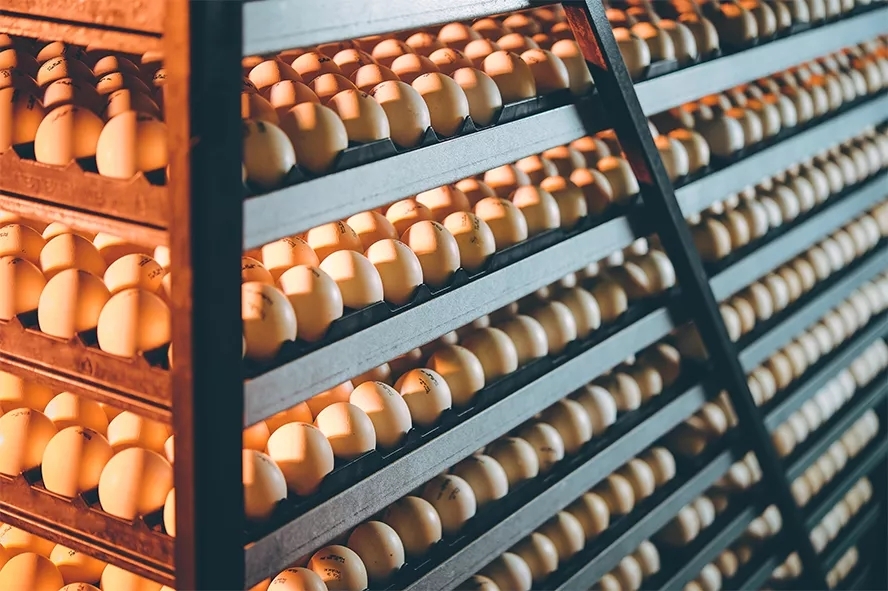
point(203, 217)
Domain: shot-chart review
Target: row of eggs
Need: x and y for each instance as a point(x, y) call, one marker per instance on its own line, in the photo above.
point(843, 567)
point(731, 224)
point(829, 399)
point(838, 517)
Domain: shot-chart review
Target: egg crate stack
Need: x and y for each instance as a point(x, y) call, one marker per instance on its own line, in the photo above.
point(83, 127)
point(372, 267)
point(574, 532)
point(515, 469)
point(815, 413)
point(344, 104)
point(30, 562)
point(832, 464)
point(766, 303)
point(731, 230)
point(747, 119)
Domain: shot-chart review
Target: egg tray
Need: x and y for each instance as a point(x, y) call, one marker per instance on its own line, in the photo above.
point(608, 543)
point(142, 377)
point(354, 321)
point(716, 267)
point(348, 473)
point(762, 328)
point(871, 396)
point(496, 511)
point(727, 528)
point(359, 154)
point(79, 523)
point(77, 185)
point(719, 162)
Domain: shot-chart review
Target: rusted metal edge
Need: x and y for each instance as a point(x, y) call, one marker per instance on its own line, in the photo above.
point(134, 200)
point(72, 523)
point(74, 361)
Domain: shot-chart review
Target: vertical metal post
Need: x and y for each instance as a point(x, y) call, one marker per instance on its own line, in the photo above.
point(593, 32)
point(203, 55)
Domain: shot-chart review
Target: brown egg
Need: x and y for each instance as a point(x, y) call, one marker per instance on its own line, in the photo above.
point(387, 410)
point(423, 43)
point(595, 188)
point(340, 568)
point(134, 482)
point(437, 250)
point(448, 60)
point(426, 393)
point(379, 548)
point(511, 74)
point(516, 43)
point(446, 101)
point(269, 320)
point(365, 120)
point(24, 434)
point(528, 336)
point(505, 220)
point(283, 254)
point(70, 251)
point(31, 572)
point(133, 321)
point(566, 533)
point(461, 369)
point(620, 176)
point(407, 113)
point(357, 278)
point(406, 212)
point(333, 237)
point(592, 512)
point(318, 135)
point(303, 454)
point(67, 91)
point(443, 201)
point(348, 429)
point(312, 64)
point(482, 93)
point(76, 566)
point(270, 72)
point(70, 303)
point(286, 94)
point(416, 522)
point(569, 198)
point(517, 457)
point(368, 77)
point(326, 86)
point(268, 154)
point(73, 461)
point(509, 571)
point(578, 72)
point(549, 72)
point(398, 267)
point(494, 350)
point(21, 115)
point(63, 67)
point(253, 270)
point(485, 476)
point(479, 49)
point(539, 553)
point(385, 52)
point(599, 404)
point(319, 402)
point(65, 134)
point(315, 297)
point(539, 208)
point(410, 66)
point(372, 226)
point(21, 283)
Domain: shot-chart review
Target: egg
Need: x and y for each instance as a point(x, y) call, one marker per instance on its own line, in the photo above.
point(130, 143)
point(21, 115)
point(271, 71)
point(379, 548)
point(426, 393)
point(71, 303)
point(264, 485)
point(528, 336)
point(68, 410)
point(366, 78)
point(549, 72)
point(370, 227)
point(475, 190)
point(73, 461)
point(268, 154)
point(547, 441)
point(133, 271)
point(447, 103)
point(448, 60)
point(67, 133)
point(30, 572)
point(566, 534)
point(641, 476)
point(505, 220)
point(436, 249)
point(296, 578)
point(318, 135)
point(24, 434)
point(485, 476)
point(128, 429)
point(134, 482)
point(398, 267)
point(387, 410)
point(76, 566)
point(253, 270)
point(134, 321)
point(494, 350)
point(423, 43)
point(286, 94)
point(303, 454)
point(269, 320)
point(21, 284)
point(482, 94)
point(365, 120)
point(539, 208)
point(453, 499)
point(416, 522)
point(511, 74)
point(406, 212)
point(340, 568)
point(461, 369)
point(359, 282)
point(332, 237)
point(539, 553)
point(579, 77)
point(348, 429)
point(410, 66)
point(509, 571)
point(620, 176)
point(67, 91)
point(444, 201)
point(407, 113)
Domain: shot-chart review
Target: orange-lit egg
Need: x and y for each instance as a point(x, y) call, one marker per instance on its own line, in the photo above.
point(268, 154)
point(21, 283)
point(426, 393)
point(114, 577)
point(549, 72)
point(17, 541)
point(70, 251)
point(387, 410)
point(315, 298)
point(461, 369)
point(134, 271)
point(73, 460)
point(485, 476)
point(286, 94)
point(24, 434)
point(365, 120)
point(399, 268)
point(21, 241)
point(253, 270)
point(410, 66)
point(416, 522)
point(303, 454)
point(436, 249)
point(286, 253)
point(447, 103)
point(369, 76)
point(443, 201)
point(264, 485)
point(135, 482)
point(539, 208)
point(578, 71)
point(453, 499)
point(338, 393)
point(358, 280)
point(76, 566)
point(372, 226)
point(494, 349)
point(69, 410)
point(449, 59)
point(293, 579)
point(406, 212)
point(67, 133)
point(130, 143)
point(131, 430)
point(511, 74)
point(134, 321)
point(318, 135)
point(332, 237)
point(269, 320)
point(30, 572)
point(348, 429)
point(482, 94)
point(70, 303)
point(474, 239)
point(505, 220)
point(407, 112)
point(21, 114)
point(270, 72)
